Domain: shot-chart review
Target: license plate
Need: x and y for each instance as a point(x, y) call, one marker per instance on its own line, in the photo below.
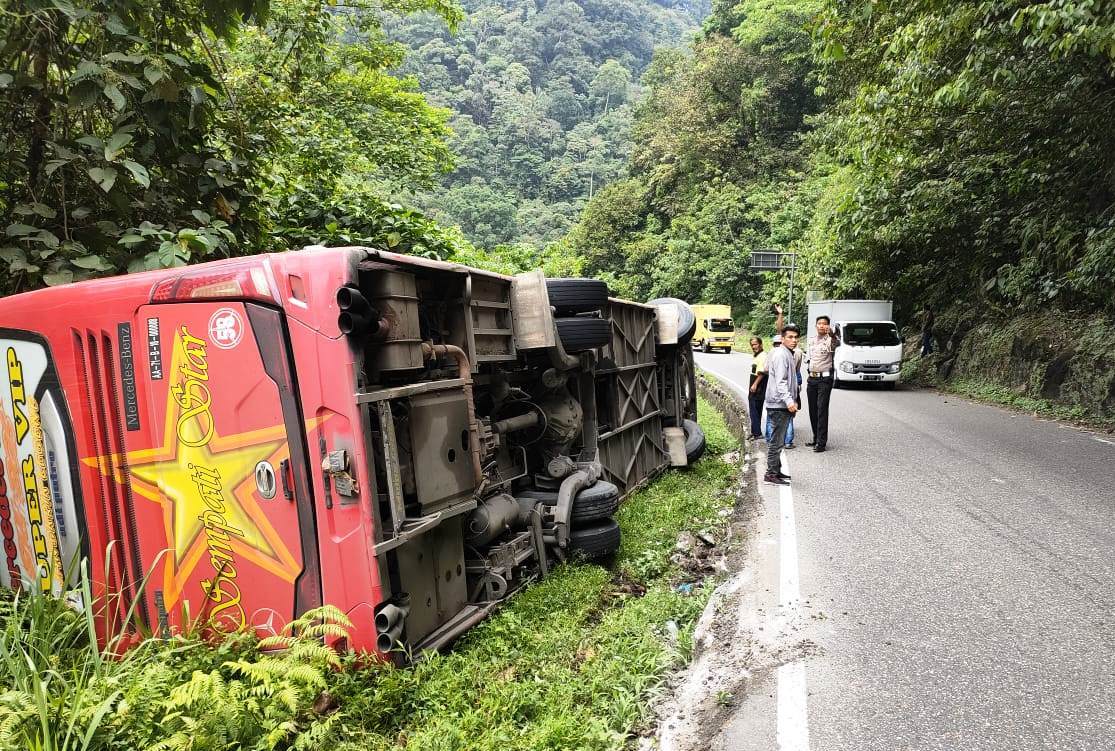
point(872, 378)
point(872, 362)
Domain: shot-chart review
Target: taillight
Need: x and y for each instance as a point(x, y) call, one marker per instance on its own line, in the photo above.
point(236, 280)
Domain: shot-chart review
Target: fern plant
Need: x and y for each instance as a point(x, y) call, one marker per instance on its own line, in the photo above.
point(257, 702)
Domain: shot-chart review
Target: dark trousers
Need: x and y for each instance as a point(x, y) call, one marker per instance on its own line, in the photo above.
point(819, 391)
point(755, 407)
point(779, 420)
point(926, 344)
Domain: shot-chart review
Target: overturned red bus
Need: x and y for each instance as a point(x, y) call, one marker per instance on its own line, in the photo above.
point(409, 440)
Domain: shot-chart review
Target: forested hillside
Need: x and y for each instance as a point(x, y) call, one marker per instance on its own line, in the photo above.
point(957, 155)
point(719, 161)
point(541, 94)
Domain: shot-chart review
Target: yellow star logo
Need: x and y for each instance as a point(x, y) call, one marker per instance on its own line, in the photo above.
point(206, 483)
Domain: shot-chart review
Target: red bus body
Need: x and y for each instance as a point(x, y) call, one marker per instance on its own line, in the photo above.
point(195, 435)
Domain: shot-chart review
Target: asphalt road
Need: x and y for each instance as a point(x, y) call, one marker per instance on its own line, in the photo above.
point(956, 567)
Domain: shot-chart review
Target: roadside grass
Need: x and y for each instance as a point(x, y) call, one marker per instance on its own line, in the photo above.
point(572, 662)
point(919, 372)
point(998, 394)
point(742, 341)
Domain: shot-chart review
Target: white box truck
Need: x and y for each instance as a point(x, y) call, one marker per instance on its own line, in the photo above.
point(870, 348)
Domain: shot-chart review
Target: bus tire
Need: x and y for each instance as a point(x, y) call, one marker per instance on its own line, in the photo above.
point(596, 541)
point(582, 333)
point(687, 322)
point(577, 295)
point(598, 501)
point(694, 441)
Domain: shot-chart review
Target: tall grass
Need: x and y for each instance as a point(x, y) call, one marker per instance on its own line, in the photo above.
point(570, 663)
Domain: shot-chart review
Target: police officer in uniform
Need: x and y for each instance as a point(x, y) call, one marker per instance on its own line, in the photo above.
point(818, 389)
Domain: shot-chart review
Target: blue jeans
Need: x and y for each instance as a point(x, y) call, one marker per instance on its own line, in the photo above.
point(789, 429)
point(755, 407)
point(780, 419)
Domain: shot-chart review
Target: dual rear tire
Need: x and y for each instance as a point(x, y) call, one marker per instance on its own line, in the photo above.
point(576, 303)
point(594, 534)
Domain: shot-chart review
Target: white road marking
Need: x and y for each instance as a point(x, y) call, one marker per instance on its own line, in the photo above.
point(1090, 435)
point(792, 726)
point(793, 713)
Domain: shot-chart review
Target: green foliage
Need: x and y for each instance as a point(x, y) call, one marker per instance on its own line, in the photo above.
point(974, 150)
point(542, 98)
point(571, 662)
point(718, 162)
point(138, 136)
point(112, 117)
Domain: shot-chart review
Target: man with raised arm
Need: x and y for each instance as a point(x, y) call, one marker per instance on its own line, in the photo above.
point(818, 390)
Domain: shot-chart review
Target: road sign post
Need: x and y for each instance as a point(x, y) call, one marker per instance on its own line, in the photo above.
point(776, 260)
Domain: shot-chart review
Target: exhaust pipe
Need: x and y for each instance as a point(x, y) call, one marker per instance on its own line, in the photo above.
point(389, 623)
point(389, 616)
point(357, 317)
point(386, 640)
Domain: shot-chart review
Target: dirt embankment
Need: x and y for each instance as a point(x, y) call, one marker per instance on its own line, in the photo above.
point(1050, 362)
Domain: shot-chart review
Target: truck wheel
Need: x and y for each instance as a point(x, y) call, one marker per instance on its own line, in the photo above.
point(597, 541)
point(598, 501)
point(577, 295)
point(581, 333)
point(687, 322)
point(694, 441)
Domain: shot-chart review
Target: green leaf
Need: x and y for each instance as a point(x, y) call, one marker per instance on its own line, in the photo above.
point(19, 230)
point(43, 210)
point(22, 265)
point(84, 95)
point(85, 69)
point(47, 238)
point(65, 276)
point(116, 26)
point(201, 216)
point(6, 80)
point(120, 57)
point(93, 263)
point(116, 144)
point(132, 239)
point(393, 239)
point(50, 167)
point(153, 74)
point(80, 212)
point(105, 177)
point(139, 173)
point(92, 141)
point(66, 7)
point(112, 91)
point(11, 253)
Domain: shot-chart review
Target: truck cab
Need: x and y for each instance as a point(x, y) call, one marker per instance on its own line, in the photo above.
point(715, 328)
point(869, 352)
